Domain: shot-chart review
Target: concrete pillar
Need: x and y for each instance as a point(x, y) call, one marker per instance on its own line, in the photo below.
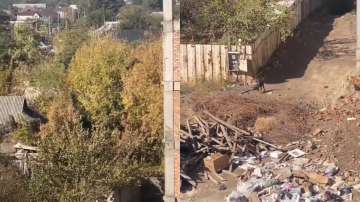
point(168, 76)
point(357, 36)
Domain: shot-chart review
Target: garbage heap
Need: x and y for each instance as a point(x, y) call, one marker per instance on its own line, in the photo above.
point(298, 179)
point(265, 172)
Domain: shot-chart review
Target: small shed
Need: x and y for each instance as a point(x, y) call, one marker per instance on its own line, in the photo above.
point(14, 109)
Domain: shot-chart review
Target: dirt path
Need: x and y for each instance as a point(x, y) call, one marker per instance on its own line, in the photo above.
point(316, 63)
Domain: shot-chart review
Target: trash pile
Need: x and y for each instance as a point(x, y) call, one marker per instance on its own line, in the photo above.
point(298, 179)
point(265, 172)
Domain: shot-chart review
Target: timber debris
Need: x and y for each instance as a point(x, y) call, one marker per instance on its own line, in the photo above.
point(264, 171)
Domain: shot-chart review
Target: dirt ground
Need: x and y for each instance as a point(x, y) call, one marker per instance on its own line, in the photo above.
point(309, 99)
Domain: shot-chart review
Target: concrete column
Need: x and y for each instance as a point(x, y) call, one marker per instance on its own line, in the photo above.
point(357, 36)
point(168, 71)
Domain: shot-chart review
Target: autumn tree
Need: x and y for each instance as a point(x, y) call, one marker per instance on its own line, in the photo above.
point(143, 103)
point(96, 78)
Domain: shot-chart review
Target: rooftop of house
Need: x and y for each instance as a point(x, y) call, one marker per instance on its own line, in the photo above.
point(39, 5)
point(11, 107)
point(41, 13)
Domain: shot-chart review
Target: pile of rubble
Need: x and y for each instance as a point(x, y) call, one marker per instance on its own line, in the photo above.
point(299, 179)
point(265, 172)
point(200, 138)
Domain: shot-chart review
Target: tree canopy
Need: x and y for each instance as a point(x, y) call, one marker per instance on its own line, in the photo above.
point(96, 77)
point(138, 17)
point(66, 44)
point(5, 37)
point(229, 21)
point(143, 103)
point(26, 46)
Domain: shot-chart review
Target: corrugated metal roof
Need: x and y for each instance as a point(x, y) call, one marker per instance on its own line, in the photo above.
point(11, 106)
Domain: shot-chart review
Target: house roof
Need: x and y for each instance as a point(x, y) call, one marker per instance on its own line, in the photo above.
point(29, 5)
point(29, 13)
point(41, 13)
point(11, 106)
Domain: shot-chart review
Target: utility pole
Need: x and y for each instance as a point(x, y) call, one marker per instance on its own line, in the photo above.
point(171, 82)
point(357, 36)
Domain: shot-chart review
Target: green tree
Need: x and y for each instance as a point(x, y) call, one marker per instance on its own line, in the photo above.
point(99, 10)
point(26, 47)
point(66, 44)
point(137, 17)
point(5, 38)
point(229, 21)
point(96, 78)
point(151, 4)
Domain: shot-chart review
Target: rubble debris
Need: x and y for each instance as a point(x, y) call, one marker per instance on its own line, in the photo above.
point(217, 144)
point(296, 153)
point(236, 197)
point(216, 162)
point(276, 154)
point(351, 119)
point(265, 172)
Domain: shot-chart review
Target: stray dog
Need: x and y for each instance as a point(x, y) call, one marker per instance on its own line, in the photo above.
point(260, 84)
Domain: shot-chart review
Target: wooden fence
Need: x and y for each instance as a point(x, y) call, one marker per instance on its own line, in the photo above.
point(210, 62)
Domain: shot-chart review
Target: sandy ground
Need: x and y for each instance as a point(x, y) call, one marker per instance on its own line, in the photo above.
point(309, 91)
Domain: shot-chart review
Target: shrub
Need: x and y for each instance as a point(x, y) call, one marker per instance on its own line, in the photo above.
point(12, 184)
point(5, 81)
point(143, 102)
point(96, 78)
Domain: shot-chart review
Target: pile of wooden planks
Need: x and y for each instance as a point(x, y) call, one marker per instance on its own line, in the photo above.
point(207, 135)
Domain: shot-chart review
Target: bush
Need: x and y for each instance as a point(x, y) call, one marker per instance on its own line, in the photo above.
point(12, 185)
point(96, 78)
point(5, 81)
point(25, 132)
point(73, 165)
point(66, 44)
point(77, 164)
point(143, 102)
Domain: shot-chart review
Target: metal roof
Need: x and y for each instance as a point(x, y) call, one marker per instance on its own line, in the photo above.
point(11, 106)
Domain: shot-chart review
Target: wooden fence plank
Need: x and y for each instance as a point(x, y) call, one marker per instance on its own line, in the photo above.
point(200, 72)
point(183, 63)
point(208, 63)
point(191, 62)
point(216, 62)
point(223, 62)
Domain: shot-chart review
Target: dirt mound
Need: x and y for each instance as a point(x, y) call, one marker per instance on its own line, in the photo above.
point(239, 111)
point(266, 124)
point(288, 122)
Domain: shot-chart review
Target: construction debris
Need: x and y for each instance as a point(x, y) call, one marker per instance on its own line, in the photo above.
point(265, 171)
